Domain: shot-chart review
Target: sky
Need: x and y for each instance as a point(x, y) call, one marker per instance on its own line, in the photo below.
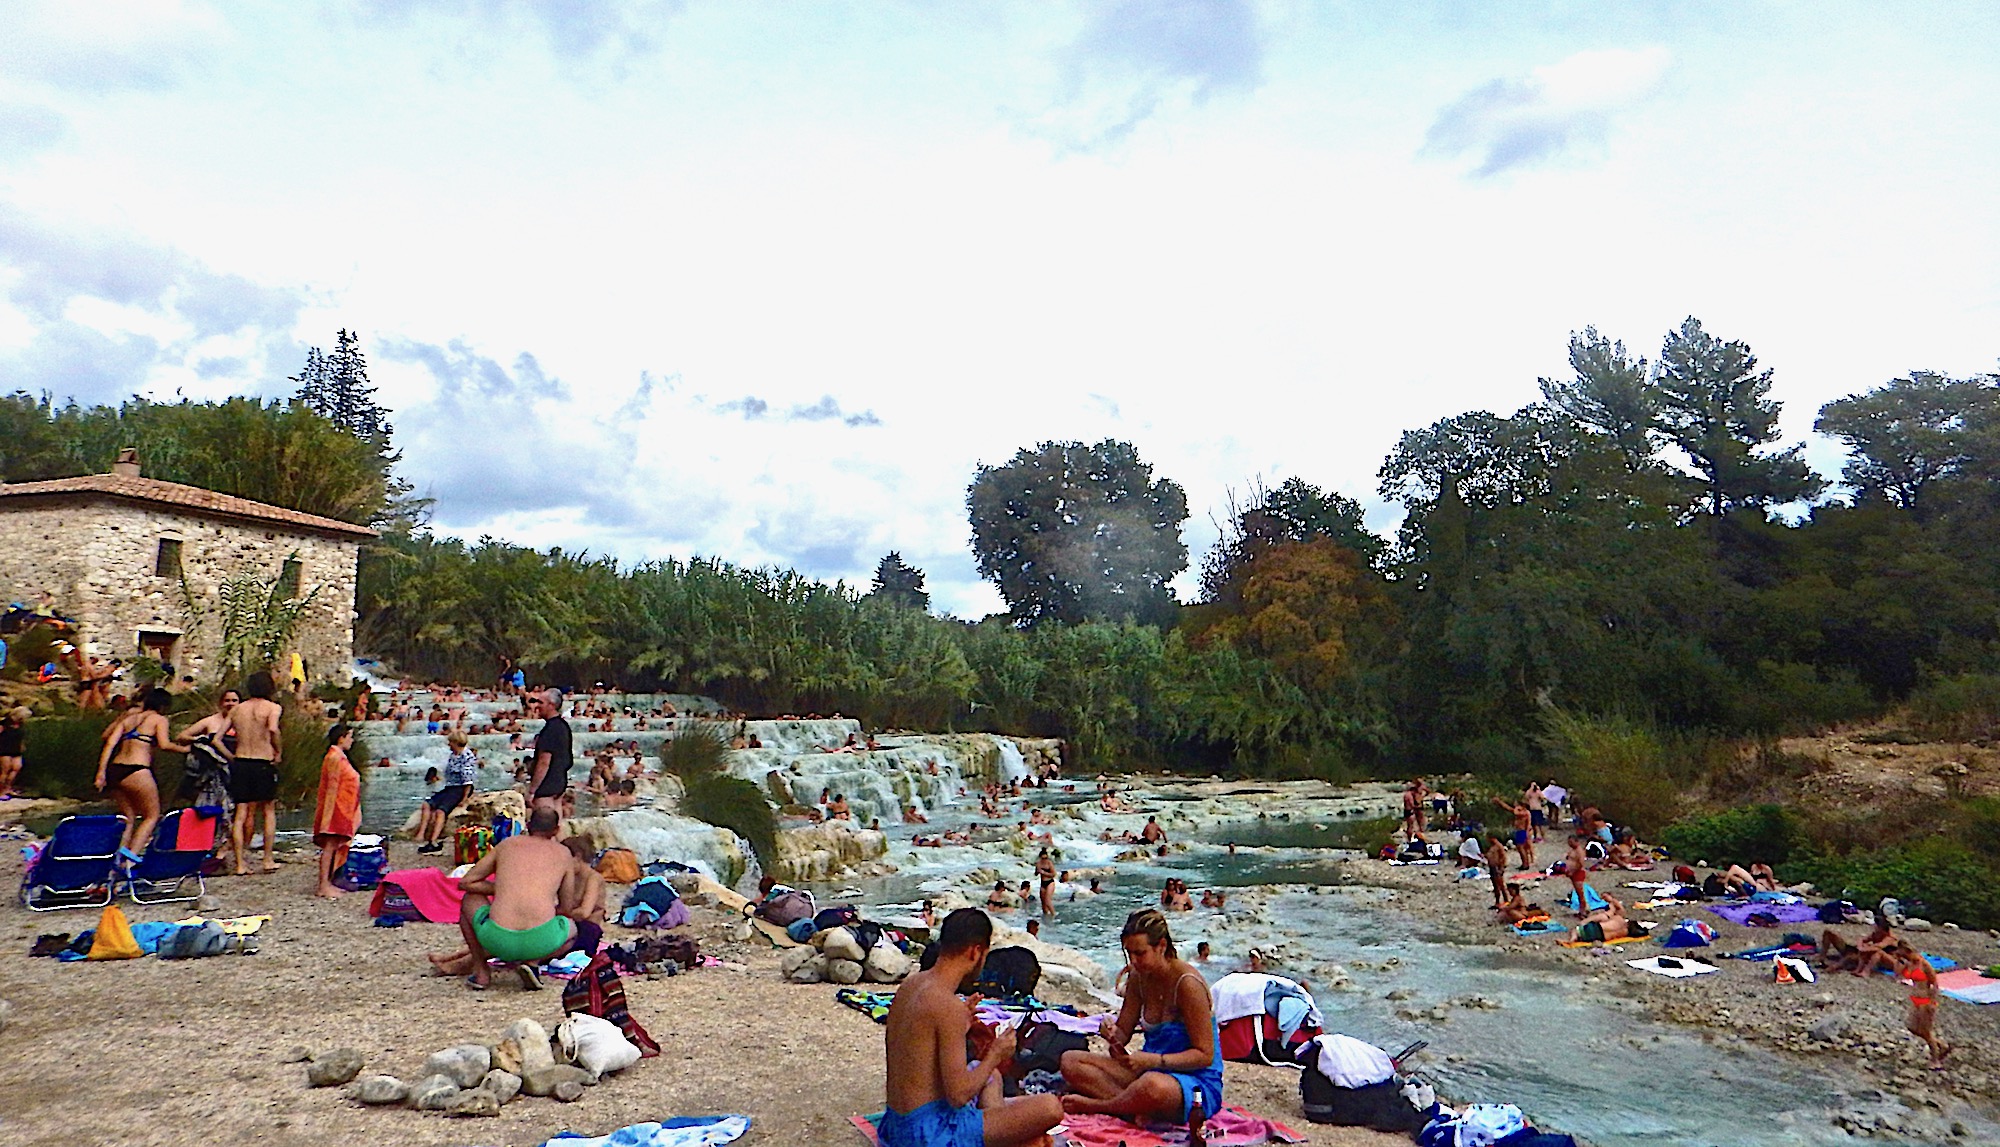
point(770, 281)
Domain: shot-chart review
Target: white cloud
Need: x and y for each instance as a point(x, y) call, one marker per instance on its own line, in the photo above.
point(1548, 114)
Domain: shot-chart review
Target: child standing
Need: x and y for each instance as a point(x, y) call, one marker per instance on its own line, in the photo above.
point(338, 816)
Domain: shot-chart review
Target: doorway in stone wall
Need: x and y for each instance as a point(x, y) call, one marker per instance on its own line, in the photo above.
point(162, 646)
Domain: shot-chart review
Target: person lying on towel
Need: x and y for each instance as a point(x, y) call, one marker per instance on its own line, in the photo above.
point(509, 911)
point(1608, 923)
point(936, 1098)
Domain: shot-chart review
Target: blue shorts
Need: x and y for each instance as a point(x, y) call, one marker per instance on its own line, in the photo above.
point(935, 1124)
point(1540, 816)
point(1520, 836)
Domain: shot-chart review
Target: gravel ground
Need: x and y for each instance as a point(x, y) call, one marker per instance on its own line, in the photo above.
point(164, 1052)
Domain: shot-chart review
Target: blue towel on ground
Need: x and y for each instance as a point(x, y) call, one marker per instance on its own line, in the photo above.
point(686, 1131)
point(1595, 898)
point(1545, 928)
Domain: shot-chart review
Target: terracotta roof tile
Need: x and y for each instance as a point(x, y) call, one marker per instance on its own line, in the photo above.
point(152, 491)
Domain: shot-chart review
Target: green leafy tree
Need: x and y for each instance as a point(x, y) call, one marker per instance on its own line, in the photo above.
point(1715, 405)
point(1910, 433)
point(1608, 394)
point(1073, 533)
point(900, 583)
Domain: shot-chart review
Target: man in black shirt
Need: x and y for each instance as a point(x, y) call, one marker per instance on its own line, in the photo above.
point(550, 779)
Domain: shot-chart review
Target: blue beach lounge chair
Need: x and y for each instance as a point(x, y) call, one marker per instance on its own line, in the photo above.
point(167, 866)
point(74, 869)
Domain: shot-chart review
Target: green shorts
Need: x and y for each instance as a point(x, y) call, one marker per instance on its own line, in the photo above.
point(520, 946)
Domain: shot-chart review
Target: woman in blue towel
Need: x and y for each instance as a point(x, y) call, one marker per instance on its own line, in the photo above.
point(1177, 1073)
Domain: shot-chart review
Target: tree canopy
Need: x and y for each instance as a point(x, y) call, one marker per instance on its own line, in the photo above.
point(1073, 533)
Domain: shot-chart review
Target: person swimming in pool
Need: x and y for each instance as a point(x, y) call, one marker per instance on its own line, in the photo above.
point(1176, 1076)
point(936, 1097)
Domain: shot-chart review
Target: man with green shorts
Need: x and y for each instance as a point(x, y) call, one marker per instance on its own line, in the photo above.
point(509, 911)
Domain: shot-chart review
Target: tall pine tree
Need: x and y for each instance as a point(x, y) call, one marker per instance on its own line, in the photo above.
point(900, 583)
point(336, 387)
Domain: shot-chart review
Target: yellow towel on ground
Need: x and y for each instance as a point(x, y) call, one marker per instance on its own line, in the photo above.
point(1595, 943)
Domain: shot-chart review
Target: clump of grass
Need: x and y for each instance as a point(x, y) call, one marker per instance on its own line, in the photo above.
point(696, 754)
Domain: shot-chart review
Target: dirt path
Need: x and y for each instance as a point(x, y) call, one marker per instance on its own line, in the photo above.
point(185, 1052)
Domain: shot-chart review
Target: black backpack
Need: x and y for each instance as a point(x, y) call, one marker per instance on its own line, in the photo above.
point(1010, 971)
point(1037, 1066)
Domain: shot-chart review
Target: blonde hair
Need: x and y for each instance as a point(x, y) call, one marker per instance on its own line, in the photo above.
point(1152, 924)
point(455, 738)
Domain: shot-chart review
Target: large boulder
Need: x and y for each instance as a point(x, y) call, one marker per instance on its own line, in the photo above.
point(827, 851)
point(543, 1081)
point(840, 944)
point(434, 1093)
point(886, 964)
point(482, 807)
point(797, 958)
point(532, 1043)
point(379, 1090)
point(333, 1068)
point(466, 1064)
point(843, 972)
point(504, 1085)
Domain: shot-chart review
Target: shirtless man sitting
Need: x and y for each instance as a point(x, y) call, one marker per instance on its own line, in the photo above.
point(931, 1086)
point(509, 911)
point(1515, 909)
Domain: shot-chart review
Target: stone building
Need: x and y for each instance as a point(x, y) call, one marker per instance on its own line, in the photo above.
point(112, 551)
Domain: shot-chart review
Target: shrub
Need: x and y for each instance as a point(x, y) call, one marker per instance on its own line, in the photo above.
point(60, 754)
point(696, 754)
point(739, 806)
point(1962, 708)
point(1951, 880)
point(1617, 764)
point(1764, 832)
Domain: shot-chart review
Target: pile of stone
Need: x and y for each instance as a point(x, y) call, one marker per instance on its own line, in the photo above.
point(835, 956)
point(465, 1079)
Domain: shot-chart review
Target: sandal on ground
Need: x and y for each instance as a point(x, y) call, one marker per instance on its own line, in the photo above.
point(531, 980)
point(475, 985)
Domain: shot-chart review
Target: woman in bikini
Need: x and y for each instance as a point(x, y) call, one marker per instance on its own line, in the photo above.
point(1913, 969)
point(1176, 1075)
point(125, 769)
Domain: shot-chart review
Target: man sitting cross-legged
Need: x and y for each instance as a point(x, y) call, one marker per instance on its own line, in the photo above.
point(931, 1088)
point(509, 911)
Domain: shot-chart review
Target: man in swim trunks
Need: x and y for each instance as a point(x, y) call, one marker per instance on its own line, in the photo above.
point(552, 755)
point(1538, 811)
point(253, 772)
point(931, 1086)
point(509, 911)
point(1607, 923)
point(1576, 866)
point(1524, 823)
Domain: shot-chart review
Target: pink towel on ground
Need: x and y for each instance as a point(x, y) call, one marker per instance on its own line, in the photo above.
point(433, 890)
point(1230, 1127)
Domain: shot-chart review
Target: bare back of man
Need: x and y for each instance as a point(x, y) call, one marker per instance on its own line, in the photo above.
point(254, 777)
point(509, 910)
point(936, 1098)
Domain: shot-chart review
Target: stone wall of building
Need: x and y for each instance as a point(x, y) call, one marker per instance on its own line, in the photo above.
point(97, 558)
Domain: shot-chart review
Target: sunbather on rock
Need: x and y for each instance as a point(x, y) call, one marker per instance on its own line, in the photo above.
point(936, 1098)
point(509, 911)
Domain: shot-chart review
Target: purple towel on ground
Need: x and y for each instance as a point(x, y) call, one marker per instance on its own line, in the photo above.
point(1740, 914)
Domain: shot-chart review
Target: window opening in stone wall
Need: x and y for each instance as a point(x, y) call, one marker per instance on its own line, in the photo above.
point(289, 578)
point(167, 563)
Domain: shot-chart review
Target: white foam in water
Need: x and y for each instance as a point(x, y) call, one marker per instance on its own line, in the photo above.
point(1013, 766)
